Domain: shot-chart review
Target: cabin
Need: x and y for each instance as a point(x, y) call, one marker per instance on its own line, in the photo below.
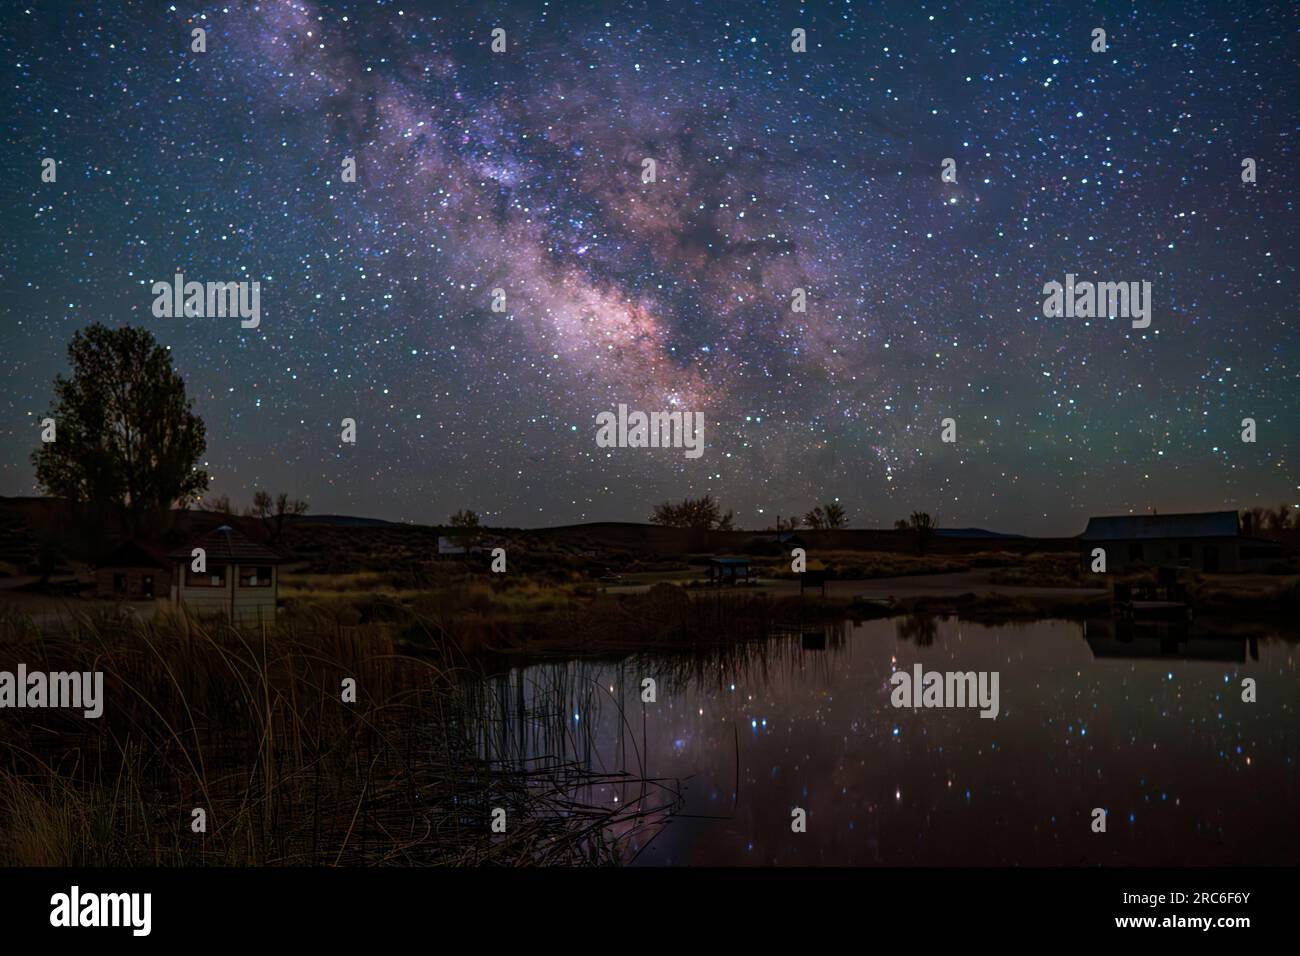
point(727, 570)
point(134, 571)
point(1208, 541)
point(239, 582)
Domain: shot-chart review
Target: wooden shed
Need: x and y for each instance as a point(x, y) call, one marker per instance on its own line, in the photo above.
point(238, 580)
point(135, 571)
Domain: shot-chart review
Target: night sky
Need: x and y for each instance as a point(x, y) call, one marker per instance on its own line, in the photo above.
point(776, 170)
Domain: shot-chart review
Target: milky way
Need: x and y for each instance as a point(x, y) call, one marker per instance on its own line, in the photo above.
point(776, 170)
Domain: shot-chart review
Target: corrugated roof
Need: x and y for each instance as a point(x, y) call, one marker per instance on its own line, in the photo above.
point(227, 545)
point(1206, 524)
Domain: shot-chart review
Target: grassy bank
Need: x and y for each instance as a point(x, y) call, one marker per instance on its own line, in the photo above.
point(250, 725)
point(475, 612)
point(252, 728)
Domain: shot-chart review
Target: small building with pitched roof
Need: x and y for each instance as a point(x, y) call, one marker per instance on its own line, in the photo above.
point(134, 571)
point(238, 580)
point(1209, 541)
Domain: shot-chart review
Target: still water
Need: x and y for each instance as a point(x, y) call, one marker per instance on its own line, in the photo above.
point(1149, 725)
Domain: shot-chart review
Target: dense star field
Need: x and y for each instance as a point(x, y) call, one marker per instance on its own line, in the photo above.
point(776, 170)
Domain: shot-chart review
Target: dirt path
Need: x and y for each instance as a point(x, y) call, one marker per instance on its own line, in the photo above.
point(48, 611)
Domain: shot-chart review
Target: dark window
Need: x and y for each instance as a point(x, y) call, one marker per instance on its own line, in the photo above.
point(146, 585)
point(1135, 552)
point(212, 578)
point(254, 577)
point(1184, 550)
point(119, 584)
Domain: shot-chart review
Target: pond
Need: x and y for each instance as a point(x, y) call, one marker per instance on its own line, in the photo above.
point(1147, 724)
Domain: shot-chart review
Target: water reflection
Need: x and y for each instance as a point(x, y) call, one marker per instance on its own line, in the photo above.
point(1166, 640)
point(1144, 722)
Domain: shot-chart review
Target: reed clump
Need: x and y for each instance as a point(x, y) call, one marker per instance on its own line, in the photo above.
point(251, 727)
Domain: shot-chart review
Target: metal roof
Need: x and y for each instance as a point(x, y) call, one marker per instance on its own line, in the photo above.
point(1206, 524)
point(227, 545)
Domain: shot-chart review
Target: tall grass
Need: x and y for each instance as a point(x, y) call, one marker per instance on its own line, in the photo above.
point(250, 726)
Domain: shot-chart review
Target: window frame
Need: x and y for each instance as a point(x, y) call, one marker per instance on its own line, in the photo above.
point(256, 569)
point(204, 580)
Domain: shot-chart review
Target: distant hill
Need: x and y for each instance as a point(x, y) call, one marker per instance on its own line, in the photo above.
point(344, 520)
point(31, 527)
point(632, 528)
point(973, 533)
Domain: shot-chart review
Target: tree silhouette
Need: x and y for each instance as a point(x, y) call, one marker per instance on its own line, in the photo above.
point(125, 434)
point(218, 505)
point(1253, 520)
point(274, 512)
point(701, 514)
point(1269, 522)
point(827, 516)
point(922, 527)
point(921, 629)
point(465, 529)
point(1280, 518)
